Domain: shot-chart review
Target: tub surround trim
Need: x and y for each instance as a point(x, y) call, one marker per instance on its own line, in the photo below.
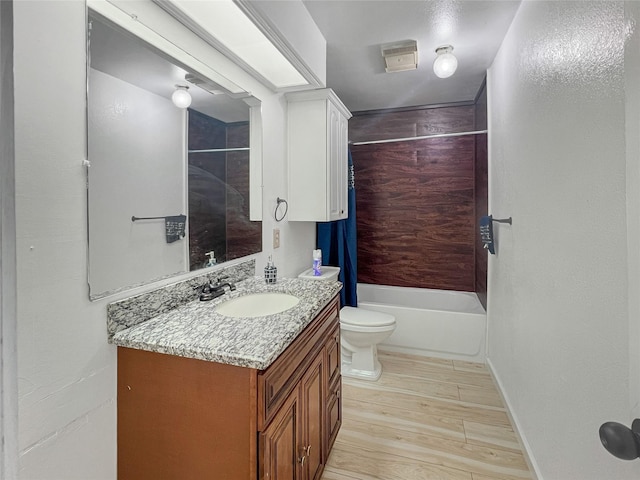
point(195, 330)
point(131, 311)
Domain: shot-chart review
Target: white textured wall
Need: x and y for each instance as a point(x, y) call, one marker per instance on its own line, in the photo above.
point(632, 130)
point(66, 369)
point(297, 239)
point(558, 311)
point(8, 370)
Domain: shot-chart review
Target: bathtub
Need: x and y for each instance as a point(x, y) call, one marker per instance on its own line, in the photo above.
point(435, 323)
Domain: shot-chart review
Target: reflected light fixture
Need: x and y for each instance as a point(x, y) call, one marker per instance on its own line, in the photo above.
point(445, 63)
point(181, 97)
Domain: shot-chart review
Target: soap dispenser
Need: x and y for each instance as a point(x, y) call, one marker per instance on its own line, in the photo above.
point(270, 272)
point(212, 259)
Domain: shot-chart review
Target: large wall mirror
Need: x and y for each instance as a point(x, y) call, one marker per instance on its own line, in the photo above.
point(168, 186)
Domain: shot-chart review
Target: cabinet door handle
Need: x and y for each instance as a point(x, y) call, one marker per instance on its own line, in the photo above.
point(307, 450)
point(303, 455)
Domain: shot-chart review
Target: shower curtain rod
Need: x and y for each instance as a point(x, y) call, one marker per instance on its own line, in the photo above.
point(219, 150)
point(423, 137)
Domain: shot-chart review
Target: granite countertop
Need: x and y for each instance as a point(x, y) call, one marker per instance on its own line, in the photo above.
point(196, 330)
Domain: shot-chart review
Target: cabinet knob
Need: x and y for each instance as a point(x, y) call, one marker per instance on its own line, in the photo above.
point(302, 459)
point(307, 450)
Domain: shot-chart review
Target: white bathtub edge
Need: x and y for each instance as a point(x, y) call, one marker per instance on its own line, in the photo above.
point(479, 358)
point(432, 333)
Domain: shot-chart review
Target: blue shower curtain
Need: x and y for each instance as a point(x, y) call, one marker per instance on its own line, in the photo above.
point(337, 240)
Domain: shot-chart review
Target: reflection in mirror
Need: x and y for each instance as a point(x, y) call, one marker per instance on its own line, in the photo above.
point(182, 173)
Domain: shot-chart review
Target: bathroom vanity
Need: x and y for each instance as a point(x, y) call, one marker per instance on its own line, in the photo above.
point(261, 403)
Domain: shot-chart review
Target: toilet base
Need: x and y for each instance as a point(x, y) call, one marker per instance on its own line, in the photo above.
point(372, 375)
point(362, 363)
point(360, 333)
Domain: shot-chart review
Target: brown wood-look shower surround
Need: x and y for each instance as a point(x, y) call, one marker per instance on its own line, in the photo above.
point(243, 236)
point(418, 202)
point(219, 192)
point(481, 193)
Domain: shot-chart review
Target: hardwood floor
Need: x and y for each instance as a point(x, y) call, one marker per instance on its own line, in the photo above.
point(426, 418)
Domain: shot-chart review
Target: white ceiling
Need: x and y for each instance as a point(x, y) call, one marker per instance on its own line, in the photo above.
point(355, 30)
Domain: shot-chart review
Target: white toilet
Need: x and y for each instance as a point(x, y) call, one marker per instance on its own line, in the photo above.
point(360, 332)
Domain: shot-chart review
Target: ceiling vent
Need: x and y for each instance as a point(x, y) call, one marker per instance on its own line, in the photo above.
point(400, 56)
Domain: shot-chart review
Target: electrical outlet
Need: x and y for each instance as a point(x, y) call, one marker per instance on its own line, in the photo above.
point(276, 238)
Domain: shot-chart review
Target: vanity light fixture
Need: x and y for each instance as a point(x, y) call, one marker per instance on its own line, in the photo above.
point(206, 85)
point(445, 63)
point(181, 98)
point(226, 26)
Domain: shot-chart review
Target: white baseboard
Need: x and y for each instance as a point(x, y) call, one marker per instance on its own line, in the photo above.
point(524, 445)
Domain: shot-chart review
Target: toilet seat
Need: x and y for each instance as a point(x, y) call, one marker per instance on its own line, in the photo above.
point(365, 318)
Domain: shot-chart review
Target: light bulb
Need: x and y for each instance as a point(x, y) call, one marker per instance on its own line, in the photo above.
point(445, 63)
point(181, 97)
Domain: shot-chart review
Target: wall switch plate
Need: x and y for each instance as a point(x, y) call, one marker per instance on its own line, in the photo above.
point(276, 238)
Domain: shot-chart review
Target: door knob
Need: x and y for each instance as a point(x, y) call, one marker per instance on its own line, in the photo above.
point(620, 440)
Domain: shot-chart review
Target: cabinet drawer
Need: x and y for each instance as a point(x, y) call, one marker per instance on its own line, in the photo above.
point(276, 382)
point(334, 414)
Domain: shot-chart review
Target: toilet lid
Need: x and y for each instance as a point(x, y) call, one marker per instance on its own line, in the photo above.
point(362, 317)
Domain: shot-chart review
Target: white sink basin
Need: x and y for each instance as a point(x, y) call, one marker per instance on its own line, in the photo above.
point(257, 305)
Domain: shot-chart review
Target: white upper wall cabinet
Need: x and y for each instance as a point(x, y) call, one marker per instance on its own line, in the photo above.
point(317, 133)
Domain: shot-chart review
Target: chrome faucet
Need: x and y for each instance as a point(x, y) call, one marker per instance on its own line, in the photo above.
point(219, 287)
point(212, 290)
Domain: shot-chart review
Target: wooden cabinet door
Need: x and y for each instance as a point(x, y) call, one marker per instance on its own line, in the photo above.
point(300, 407)
point(313, 403)
point(280, 441)
point(333, 412)
point(334, 415)
point(333, 356)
